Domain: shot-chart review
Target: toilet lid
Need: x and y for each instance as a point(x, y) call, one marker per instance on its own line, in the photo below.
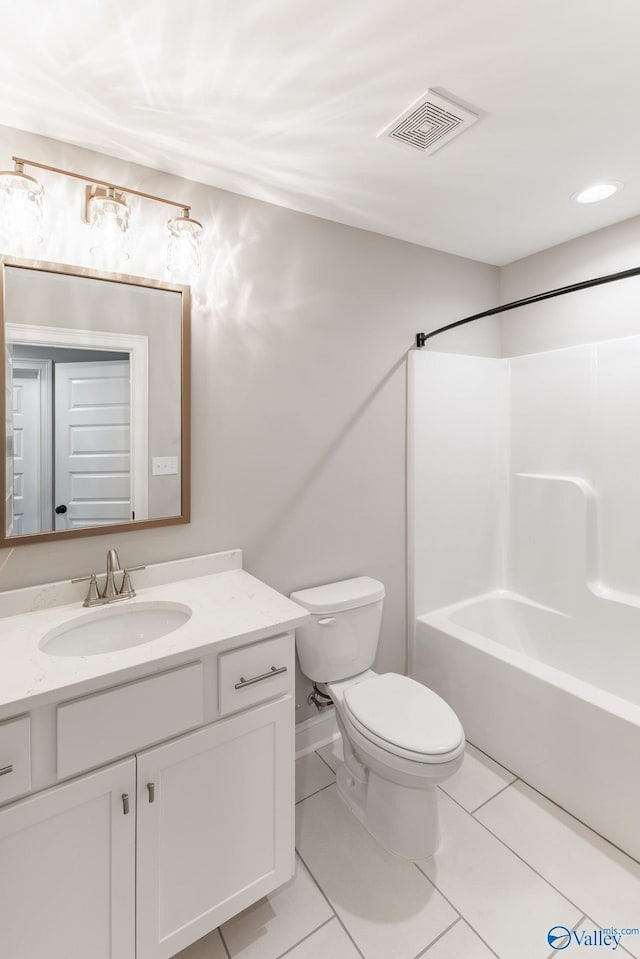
point(403, 713)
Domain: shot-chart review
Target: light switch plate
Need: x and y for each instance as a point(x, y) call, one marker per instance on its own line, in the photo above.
point(164, 465)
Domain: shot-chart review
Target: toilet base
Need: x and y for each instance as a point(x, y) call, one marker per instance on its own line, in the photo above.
point(402, 819)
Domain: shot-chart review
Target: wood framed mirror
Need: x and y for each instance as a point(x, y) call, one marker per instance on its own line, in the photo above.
point(95, 382)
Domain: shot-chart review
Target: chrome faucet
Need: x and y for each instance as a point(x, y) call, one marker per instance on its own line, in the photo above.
point(110, 593)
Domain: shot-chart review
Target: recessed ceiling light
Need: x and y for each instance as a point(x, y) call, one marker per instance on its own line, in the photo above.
point(599, 191)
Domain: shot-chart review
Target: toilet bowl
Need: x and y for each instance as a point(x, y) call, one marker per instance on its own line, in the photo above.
point(400, 739)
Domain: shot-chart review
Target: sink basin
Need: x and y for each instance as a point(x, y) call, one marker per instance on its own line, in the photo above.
point(110, 629)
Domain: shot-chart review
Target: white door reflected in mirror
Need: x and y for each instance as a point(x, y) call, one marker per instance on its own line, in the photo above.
point(93, 478)
point(77, 417)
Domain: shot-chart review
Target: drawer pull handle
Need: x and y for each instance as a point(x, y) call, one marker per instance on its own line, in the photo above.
point(6, 770)
point(151, 787)
point(274, 671)
point(125, 804)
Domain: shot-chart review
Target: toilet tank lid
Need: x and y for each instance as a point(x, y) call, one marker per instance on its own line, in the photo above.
point(334, 597)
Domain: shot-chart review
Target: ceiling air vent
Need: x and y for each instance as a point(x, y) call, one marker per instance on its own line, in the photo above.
point(430, 122)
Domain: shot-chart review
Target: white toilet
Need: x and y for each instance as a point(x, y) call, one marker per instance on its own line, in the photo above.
point(400, 739)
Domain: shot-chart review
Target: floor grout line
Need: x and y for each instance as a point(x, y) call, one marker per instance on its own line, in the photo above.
point(329, 903)
point(493, 759)
point(224, 944)
point(423, 952)
point(472, 812)
point(455, 909)
point(324, 760)
point(321, 789)
point(563, 894)
point(517, 855)
point(481, 938)
point(554, 803)
point(304, 938)
point(582, 823)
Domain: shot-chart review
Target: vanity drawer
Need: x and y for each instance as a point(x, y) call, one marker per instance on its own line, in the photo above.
point(254, 673)
point(15, 758)
point(122, 720)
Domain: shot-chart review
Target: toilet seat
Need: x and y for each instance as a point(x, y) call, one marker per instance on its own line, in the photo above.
point(404, 718)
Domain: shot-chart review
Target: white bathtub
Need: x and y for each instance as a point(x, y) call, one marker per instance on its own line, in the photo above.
point(555, 700)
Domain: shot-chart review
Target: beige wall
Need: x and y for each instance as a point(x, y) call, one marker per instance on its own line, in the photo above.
point(599, 313)
point(301, 328)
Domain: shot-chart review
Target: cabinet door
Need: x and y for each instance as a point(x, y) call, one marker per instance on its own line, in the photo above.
point(218, 834)
point(67, 870)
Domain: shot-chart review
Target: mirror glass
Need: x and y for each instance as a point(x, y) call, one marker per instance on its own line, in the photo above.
point(96, 401)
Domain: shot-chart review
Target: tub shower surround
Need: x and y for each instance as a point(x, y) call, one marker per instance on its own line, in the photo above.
point(524, 520)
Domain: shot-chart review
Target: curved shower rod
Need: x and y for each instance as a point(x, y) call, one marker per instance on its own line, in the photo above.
point(421, 338)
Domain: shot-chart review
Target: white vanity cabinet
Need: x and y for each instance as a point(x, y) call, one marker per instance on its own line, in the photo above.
point(214, 826)
point(67, 870)
point(143, 856)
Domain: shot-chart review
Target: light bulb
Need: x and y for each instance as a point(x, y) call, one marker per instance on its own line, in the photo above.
point(20, 206)
point(183, 254)
point(109, 217)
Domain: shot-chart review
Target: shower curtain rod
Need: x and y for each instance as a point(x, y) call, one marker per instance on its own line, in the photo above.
point(421, 338)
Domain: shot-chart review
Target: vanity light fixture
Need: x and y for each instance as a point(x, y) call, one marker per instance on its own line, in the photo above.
point(106, 212)
point(20, 204)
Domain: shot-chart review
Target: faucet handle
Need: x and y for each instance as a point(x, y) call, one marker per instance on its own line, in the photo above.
point(93, 596)
point(126, 589)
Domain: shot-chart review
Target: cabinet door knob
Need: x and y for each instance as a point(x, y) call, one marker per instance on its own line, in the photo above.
point(152, 791)
point(125, 804)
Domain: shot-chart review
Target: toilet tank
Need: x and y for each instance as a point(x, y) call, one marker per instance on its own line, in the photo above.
point(341, 638)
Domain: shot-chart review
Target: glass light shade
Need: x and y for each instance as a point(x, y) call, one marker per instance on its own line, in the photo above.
point(109, 225)
point(183, 255)
point(20, 207)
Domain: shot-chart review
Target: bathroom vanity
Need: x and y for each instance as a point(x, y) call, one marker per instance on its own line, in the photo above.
point(146, 793)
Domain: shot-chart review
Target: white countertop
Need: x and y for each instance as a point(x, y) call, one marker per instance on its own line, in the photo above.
point(226, 606)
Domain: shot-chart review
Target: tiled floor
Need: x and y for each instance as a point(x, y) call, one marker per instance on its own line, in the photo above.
point(510, 866)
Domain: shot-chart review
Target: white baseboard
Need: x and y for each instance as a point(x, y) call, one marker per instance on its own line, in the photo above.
point(315, 732)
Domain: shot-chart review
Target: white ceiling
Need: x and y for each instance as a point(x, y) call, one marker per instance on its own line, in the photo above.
point(282, 100)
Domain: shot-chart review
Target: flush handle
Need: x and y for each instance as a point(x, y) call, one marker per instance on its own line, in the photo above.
point(328, 621)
